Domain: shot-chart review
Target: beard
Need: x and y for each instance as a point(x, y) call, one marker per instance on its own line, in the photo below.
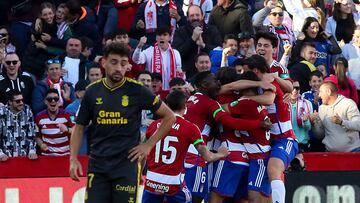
point(115, 78)
point(196, 23)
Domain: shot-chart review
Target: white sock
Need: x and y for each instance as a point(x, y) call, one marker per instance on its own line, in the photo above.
point(278, 191)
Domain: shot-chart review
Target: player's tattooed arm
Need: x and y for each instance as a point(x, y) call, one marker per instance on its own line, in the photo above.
point(210, 156)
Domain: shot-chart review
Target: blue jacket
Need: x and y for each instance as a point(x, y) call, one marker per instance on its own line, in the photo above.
point(215, 58)
point(39, 95)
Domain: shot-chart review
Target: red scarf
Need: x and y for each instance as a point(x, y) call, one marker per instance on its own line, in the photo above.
point(158, 65)
point(150, 14)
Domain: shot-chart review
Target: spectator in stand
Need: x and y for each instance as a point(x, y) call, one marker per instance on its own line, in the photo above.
point(195, 37)
point(107, 15)
point(325, 44)
point(121, 36)
point(300, 10)
point(287, 21)
point(315, 80)
point(81, 23)
point(17, 128)
point(21, 15)
point(154, 14)
point(202, 64)
point(156, 86)
point(12, 78)
point(44, 41)
point(126, 12)
point(145, 78)
point(72, 108)
point(246, 45)
point(94, 72)
point(343, 22)
point(275, 14)
point(53, 81)
point(7, 44)
point(225, 56)
point(179, 84)
point(206, 7)
point(87, 46)
point(161, 57)
point(300, 109)
point(344, 84)
point(73, 62)
point(351, 52)
point(54, 127)
point(80, 88)
point(338, 121)
point(301, 71)
point(231, 17)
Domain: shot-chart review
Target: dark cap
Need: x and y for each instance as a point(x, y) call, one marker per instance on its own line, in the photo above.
point(245, 35)
point(81, 85)
point(356, 1)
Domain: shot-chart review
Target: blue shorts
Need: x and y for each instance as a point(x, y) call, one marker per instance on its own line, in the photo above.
point(230, 179)
point(258, 178)
point(284, 149)
point(197, 181)
point(183, 196)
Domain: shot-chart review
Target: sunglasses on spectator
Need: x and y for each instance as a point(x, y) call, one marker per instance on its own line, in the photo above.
point(277, 13)
point(296, 88)
point(51, 99)
point(51, 61)
point(11, 62)
point(18, 101)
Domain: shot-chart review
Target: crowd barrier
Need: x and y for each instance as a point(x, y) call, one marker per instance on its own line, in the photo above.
point(330, 178)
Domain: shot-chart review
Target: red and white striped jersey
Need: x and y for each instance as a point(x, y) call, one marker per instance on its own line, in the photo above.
point(58, 142)
point(203, 112)
point(256, 142)
point(166, 159)
point(279, 114)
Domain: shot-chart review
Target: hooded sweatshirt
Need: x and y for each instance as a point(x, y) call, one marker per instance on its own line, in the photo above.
point(344, 137)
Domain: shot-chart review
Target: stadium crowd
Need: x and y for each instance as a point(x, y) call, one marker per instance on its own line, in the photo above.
point(266, 79)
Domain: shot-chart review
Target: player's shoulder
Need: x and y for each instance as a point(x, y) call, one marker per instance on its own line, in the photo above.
point(131, 81)
point(96, 84)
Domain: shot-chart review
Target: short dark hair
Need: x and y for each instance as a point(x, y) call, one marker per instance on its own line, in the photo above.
point(116, 48)
point(74, 7)
point(249, 75)
point(176, 100)
point(52, 90)
point(86, 42)
point(163, 30)
point(176, 81)
point(200, 77)
point(156, 76)
point(307, 44)
point(146, 72)
point(10, 95)
point(239, 62)
point(268, 36)
point(316, 73)
point(121, 31)
point(230, 36)
point(201, 54)
point(226, 75)
point(258, 62)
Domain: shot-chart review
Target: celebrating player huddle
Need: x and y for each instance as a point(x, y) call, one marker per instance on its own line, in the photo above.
point(251, 170)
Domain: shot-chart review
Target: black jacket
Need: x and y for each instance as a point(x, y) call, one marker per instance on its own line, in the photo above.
point(301, 73)
point(23, 83)
point(188, 48)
